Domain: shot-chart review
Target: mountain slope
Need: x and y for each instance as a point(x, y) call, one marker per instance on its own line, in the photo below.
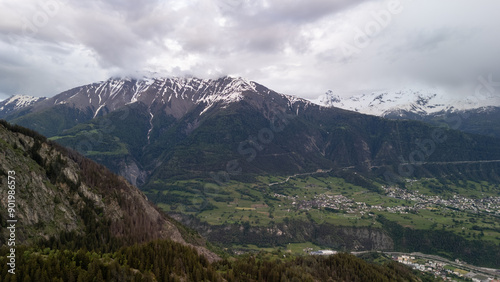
point(60, 194)
point(483, 121)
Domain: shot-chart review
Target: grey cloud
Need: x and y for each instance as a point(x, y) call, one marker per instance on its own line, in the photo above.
point(270, 28)
point(308, 11)
point(295, 11)
point(123, 35)
point(133, 9)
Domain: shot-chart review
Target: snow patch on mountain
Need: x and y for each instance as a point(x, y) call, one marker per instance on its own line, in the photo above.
point(17, 102)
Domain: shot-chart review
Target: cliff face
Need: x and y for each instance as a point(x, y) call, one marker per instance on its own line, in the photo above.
point(60, 192)
point(294, 231)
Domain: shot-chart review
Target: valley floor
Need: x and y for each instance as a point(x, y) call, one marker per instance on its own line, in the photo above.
point(468, 209)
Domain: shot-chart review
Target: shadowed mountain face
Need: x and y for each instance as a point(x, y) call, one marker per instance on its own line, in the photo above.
point(60, 194)
point(483, 121)
point(166, 129)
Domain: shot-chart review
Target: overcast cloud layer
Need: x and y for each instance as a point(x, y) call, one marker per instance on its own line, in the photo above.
point(299, 47)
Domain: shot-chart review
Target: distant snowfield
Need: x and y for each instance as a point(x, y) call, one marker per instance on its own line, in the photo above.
point(417, 101)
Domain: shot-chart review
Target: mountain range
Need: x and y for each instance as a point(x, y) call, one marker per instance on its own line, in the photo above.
point(476, 113)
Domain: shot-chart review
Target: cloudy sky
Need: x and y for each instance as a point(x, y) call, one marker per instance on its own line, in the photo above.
point(299, 47)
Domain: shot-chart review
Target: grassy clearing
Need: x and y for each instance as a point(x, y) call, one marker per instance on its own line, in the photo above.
point(302, 248)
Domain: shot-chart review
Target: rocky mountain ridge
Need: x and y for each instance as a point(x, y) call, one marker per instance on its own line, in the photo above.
point(177, 95)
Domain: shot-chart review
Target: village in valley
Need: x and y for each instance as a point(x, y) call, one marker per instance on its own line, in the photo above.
point(420, 201)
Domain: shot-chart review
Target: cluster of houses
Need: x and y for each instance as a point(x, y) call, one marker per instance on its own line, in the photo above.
point(419, 201)
point(487, 204)
point(341, 203)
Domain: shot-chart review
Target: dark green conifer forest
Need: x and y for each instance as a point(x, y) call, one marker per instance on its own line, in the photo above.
point(164, 260)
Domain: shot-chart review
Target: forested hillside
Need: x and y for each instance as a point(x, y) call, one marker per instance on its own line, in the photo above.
point(63, 197)
point(170, 261)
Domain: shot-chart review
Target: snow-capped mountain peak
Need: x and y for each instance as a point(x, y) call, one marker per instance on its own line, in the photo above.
point(176, 95)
